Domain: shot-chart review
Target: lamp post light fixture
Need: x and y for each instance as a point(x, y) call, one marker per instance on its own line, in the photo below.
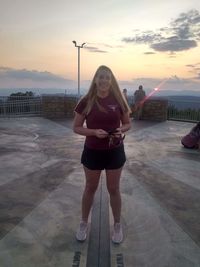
point(78, 46)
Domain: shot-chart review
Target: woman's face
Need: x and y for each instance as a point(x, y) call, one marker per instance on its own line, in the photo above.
point(103, 81)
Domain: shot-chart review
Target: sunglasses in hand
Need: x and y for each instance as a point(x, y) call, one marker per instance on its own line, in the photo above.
point(115, 140)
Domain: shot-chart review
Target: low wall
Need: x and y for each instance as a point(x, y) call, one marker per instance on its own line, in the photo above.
point(63, 106)
point(155, 109)
point(58, 106)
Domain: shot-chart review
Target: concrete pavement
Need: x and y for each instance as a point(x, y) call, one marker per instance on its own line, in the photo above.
point(41, 183)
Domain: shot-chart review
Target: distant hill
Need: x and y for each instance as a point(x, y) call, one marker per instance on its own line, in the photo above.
point(185, 101)
point(175, 93)
point(159, 93)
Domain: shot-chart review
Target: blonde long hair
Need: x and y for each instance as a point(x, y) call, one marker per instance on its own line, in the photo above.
point(91, 96)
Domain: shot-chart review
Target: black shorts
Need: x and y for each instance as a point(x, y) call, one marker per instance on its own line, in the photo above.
point(108, 159)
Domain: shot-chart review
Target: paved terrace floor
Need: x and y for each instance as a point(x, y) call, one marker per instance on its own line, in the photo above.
point(41, 183)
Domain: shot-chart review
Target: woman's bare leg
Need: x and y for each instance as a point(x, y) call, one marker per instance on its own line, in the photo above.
point(92, 181)
point(113, 186)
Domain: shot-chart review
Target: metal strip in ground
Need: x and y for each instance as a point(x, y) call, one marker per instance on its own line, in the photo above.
point(99, 240)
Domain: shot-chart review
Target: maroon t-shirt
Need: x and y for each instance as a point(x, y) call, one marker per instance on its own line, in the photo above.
point(98, 119)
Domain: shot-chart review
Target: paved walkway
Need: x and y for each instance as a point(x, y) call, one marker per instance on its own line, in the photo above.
point(41, 182)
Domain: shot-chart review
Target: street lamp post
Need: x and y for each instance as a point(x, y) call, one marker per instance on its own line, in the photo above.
point(78, 46)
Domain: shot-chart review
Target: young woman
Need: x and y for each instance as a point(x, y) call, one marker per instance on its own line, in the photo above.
point(106, 114)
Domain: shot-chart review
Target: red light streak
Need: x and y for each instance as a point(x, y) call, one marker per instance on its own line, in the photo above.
point(157, 88)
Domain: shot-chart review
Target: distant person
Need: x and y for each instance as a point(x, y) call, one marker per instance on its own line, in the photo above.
point(139, 97)
point(106, 114)
point(125, 94)
point(192, 139)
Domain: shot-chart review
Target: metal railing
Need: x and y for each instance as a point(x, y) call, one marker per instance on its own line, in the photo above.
point(20, 106)
point(184, 110)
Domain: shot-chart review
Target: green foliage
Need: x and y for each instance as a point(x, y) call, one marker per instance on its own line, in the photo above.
point(28, 93)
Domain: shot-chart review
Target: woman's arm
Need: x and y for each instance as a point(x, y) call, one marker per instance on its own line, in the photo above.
point(80, 129)
point(126, 122)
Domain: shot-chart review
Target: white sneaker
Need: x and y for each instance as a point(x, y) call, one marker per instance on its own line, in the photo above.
point(117, 235)
point(81, 233)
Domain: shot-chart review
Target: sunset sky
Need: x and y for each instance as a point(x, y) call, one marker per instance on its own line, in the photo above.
point(142, 41)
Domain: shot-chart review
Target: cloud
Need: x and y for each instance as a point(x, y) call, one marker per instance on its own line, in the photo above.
point(194, 68)
point(183, 33)
point(174, 44)
point(101, 47)
point(190, 65)
point(149, 53)
point(143, 38)
point(95, 49)
point(33, 75)
point(24, 77)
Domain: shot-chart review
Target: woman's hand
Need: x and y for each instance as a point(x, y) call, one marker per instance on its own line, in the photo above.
point(100, 133)
point(118, 133)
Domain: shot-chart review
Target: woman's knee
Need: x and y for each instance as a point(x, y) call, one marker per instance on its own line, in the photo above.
point(113, 190)
point(90, 189)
